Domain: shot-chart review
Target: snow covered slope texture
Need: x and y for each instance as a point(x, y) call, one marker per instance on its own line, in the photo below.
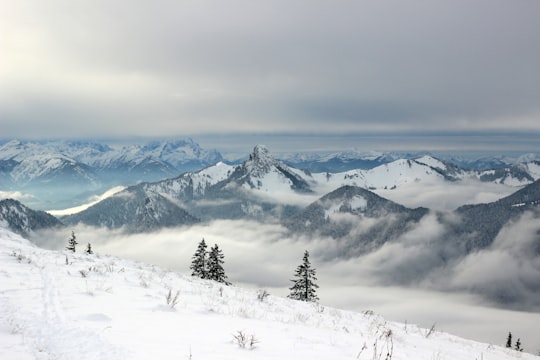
point(100, 307)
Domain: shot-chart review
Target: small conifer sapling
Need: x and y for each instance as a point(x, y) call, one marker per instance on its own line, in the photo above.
point(89, 250)
point(304, 286)
point(72, 242)
point(509, 340)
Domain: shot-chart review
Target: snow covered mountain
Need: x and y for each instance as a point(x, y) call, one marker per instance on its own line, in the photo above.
point(260, 188)
point(135, 209)
point(341, 161)
point(23, 220)
point(66, 173)
point(503, 170)
point(263, 172)
point(387, 176)
point(360, 218)
point(218, 191)
point(515, 175)
point(481, 223)
point(26, 162)
point(101, 307)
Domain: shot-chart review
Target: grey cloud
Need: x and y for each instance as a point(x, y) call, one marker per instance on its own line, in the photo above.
point(509, 270)
point(208, 66)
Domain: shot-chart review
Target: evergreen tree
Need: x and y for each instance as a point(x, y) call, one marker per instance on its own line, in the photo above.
point(89, 249)
point(72, 242)
point(518, 345)
point(304, 288)
point(509, 340)
point(215, 266)
point(199, 267)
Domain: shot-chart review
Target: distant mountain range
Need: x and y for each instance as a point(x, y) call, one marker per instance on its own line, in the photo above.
point(63, 174)
point(57, 172)
point(355, 159)
point(360, 219)
point(263, 188)
point(26, 163)
point(260, 188)
point(339, 206)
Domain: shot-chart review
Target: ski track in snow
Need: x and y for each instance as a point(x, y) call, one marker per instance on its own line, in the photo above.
point(100, 307)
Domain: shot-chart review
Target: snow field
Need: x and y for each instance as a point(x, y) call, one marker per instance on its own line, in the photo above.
point(100, 307)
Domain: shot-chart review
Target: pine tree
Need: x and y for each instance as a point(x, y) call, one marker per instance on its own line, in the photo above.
point(89, 249)
point(215, 266)
point(518, 345)
point(304, 288)
point(509, 340)
point(72, 243)
point(199, 265)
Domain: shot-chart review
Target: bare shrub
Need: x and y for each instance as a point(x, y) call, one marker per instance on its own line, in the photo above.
point(20, 257)
point(243, 340)
point(430, 331)
point(172, 301)
point(262, 295)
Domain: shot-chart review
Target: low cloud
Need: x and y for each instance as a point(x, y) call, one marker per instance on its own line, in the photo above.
point(286, 197)
point(408, 260)
point(405, 280)
point(445, 195)
point(17, 195)
point(509, 270)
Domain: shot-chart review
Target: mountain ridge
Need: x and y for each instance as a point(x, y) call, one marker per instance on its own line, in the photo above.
point(23, 220)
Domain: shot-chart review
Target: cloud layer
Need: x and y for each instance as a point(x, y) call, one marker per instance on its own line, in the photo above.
point(406, 280)
point(101, 69)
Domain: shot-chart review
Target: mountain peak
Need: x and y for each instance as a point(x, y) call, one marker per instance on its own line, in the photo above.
point(260, 153)
point(260, 161)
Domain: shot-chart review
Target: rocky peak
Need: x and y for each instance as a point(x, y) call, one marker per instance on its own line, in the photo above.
point(260, 161)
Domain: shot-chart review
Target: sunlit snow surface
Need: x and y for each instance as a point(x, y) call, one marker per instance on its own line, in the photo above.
point(92, 201)
point(100, 307)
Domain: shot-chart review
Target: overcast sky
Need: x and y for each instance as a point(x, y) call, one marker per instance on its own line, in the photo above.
point(380, 70)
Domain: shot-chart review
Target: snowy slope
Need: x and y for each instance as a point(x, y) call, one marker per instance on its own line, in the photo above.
point(100, 307)
point(194, 183)
point(431, 161)
point(387, 176)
